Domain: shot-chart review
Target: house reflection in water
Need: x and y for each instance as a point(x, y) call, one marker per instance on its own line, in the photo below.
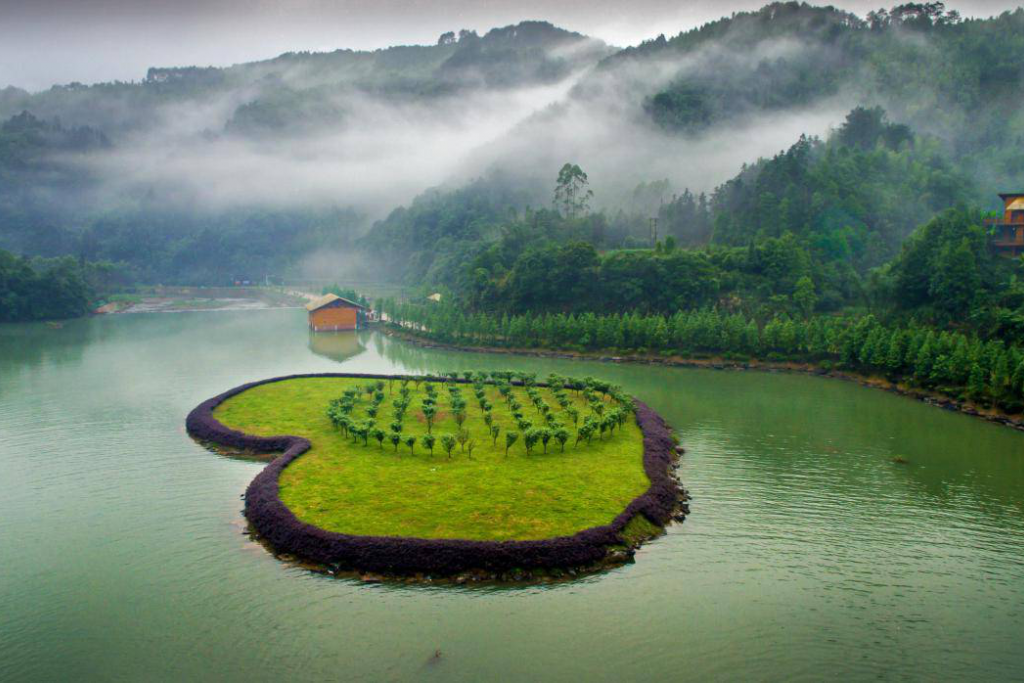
point(339, 346)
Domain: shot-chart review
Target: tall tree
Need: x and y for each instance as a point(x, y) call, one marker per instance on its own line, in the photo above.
point(572, 191)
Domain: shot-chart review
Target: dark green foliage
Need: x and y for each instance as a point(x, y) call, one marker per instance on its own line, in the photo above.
point(946, 268)
point(684, 108)
point(824, 213)
point(944, 361)
point(43, 289)
point(845, 202)
point(346, 293)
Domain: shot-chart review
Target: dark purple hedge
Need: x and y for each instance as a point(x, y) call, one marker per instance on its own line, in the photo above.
point(397, 555)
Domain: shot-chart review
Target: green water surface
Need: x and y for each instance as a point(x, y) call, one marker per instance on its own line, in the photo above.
point(809, 554)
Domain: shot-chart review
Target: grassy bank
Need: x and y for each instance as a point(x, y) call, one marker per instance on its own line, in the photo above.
point(353, 487)
point(934, 397)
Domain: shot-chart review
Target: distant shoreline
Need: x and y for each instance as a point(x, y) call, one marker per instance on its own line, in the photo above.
point(930, 397)
point(191, 299)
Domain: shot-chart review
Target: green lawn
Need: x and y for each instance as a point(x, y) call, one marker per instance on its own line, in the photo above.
point(361, 489)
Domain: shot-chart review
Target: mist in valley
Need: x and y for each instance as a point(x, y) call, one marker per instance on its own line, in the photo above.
point(290, 161)
point(340, 146)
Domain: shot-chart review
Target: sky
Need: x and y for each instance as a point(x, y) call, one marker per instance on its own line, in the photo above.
point(46, 42)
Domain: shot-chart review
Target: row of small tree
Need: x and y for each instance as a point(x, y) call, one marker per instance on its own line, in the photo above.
point(603, 417)
point(960, 365)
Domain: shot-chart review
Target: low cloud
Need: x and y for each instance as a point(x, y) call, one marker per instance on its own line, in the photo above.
point(380, 154)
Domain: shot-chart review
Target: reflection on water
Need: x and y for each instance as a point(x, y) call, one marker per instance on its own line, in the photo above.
point(810, 553)
point(338, 346)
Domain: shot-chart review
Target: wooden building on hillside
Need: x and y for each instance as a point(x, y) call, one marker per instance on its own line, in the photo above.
point(331, 313)
point(1008, 239)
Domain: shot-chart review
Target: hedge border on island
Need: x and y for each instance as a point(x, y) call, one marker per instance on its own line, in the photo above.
point(285, 533)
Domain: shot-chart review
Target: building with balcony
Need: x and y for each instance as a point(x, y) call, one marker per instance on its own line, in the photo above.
point(1008, 229)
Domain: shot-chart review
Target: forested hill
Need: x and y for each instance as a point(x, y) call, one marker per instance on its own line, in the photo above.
point(201, 175)
point(304, 89)
point(932, 119)
point(925, 65)
point(848, 202)
point(206, 175)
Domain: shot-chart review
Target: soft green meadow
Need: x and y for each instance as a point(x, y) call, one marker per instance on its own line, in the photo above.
point(355, 484)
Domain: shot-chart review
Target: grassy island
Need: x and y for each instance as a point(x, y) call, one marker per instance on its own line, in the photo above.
point(495, 458)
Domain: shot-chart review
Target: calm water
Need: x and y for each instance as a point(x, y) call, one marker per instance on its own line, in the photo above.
point(809, 553)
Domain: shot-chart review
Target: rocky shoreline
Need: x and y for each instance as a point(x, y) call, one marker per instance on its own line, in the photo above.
point(463, 561)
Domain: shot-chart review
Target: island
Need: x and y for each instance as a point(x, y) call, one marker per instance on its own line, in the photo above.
point(466, 475)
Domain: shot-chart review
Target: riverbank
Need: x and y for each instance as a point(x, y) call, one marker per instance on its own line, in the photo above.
point(933, 398)
point(661, 500)
point(161, 299)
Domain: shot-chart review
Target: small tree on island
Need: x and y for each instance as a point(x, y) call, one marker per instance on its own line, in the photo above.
point(396, 439)
point(379, 435)
point(510, 439)
point(448, 443)
point(410, 441)
point(530, 438)
point(429, 411)
point(495, 430)
point(545, 436)
point(562, 435)
point(429, 442)
point(584, 433)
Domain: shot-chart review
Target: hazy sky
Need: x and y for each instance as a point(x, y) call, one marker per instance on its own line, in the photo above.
point(43, 42)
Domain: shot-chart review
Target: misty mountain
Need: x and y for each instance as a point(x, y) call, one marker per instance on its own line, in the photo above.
point(290, 152)
point(300, 88)
point(320, 145)
point(747, 85)
point(693, 111)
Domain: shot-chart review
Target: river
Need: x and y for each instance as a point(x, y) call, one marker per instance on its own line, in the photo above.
point(810, 553)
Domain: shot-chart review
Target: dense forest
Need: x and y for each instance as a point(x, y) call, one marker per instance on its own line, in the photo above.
point(836, 212)
point(958, 364)
point(945, 274)
point(47, 289)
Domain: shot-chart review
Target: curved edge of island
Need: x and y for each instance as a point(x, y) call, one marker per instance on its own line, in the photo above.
point(278, 526)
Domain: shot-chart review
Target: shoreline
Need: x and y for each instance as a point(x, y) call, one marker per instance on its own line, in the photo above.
point(187, 299)
point(803, 368)
point(388, 557)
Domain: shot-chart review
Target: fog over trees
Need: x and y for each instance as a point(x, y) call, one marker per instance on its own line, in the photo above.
point(782, 159)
